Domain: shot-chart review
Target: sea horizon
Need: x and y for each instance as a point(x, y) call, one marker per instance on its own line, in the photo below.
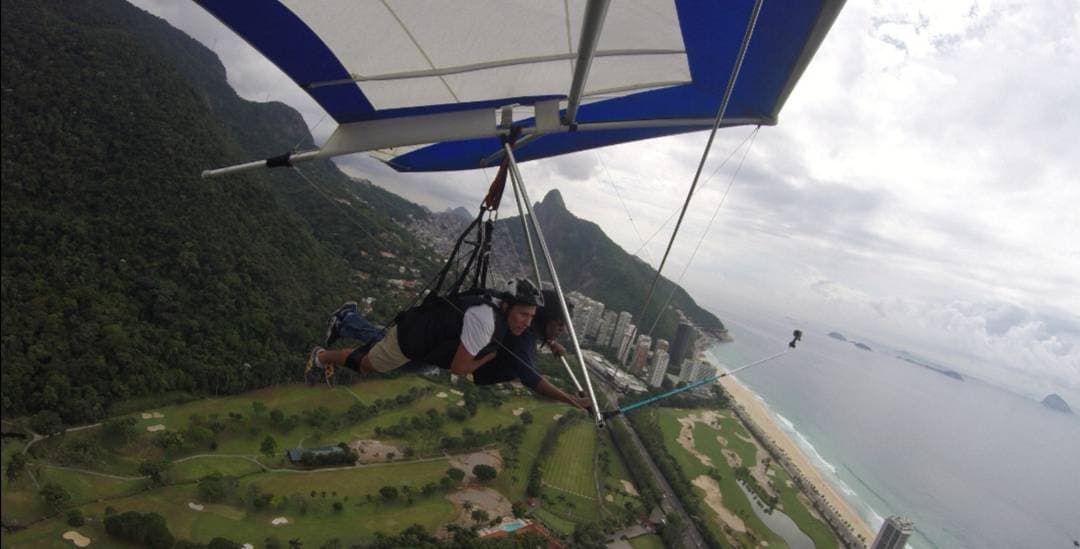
point(865, 419)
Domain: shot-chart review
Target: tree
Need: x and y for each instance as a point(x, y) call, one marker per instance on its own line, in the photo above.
point(295, 543)
point(258, 408)
point(338, 506)
point(277, 416)
point(216, 487)
point(456, 474)
point(170, 440)
point(75, 518)
point(479, 516)
point(269, 446)
point(47, 423)
point(16, 466)
point(526, 417)
point(519, 509)
point(272, 543)
point(55, 496)
point(121, 429)
point(485, 473)
point(155, 470)
point(388, 493)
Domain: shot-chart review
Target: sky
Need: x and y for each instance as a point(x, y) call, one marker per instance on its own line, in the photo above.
point(920, 189)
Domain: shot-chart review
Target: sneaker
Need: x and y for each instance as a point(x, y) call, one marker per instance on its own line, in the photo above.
point(333, 327)
point(313, 360)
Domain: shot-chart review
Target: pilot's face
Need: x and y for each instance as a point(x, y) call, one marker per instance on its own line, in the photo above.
point(519, 317)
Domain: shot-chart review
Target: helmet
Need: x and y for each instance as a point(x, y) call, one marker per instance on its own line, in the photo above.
point(522, 292)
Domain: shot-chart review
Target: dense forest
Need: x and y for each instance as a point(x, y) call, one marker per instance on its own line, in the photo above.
point(124, 274)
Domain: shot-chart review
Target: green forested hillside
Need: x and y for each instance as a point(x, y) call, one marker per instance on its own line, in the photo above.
point(123, 273)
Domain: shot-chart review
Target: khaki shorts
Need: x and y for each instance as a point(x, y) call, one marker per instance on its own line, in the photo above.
point(386, 355)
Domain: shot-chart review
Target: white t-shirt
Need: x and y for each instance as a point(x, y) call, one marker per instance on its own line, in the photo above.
point(478, 327)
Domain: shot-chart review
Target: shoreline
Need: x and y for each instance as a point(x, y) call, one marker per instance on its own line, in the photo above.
point(766, 427)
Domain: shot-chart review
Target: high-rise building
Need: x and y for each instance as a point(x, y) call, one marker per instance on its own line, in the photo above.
point(688, 370)
point(640, 362)
point(626, 344)
point(659, 368)
point(680, 348)
point(894, 533)
point(620, 328)
point(596, 314)
point(607, 329)
point(662, 344)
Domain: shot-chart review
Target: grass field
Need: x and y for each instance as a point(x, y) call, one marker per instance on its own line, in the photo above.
point(569, 487)
point(356, 521)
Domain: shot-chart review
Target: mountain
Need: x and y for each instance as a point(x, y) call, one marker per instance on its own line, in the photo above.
point(124, 274)
point(1056, 403)
point(590, 262)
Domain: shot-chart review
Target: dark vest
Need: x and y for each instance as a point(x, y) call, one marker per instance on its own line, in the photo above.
point(431, 332)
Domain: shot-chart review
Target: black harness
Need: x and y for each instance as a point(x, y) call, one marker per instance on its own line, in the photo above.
point(431, 332)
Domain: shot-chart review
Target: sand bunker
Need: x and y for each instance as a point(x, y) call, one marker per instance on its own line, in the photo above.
point(466, 462)
point(519, 411)
point(481, 498)
point(628, 487)
point(279, 521)
point(195, 506)
point(247, 546)
point(78, 539)
point(686, 434)
point(155, 428)
point(609, 497)
point(373, 451)
point(457, 392)
point(723, 441)
point(461, 403)
point(715, 502)
point(152, 415)
point(744, 438)
point(556, 417)
point(732, 458)
point(442, 395)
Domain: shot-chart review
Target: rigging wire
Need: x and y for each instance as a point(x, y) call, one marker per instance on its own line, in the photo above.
point(750, 25)
point(311, 131)
point(609, 180)
point(703, 183)
point(705, 233)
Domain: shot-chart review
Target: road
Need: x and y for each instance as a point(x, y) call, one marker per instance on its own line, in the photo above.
point(668, 500)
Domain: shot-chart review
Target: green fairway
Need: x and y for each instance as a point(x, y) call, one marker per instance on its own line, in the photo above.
point(737, 439)
point(191, 470)
point(733, 498)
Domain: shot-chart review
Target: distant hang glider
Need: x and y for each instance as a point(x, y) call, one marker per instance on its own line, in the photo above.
point(449, 80)
point(433, 86)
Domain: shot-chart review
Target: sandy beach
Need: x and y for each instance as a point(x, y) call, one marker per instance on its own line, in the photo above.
point(757, 412)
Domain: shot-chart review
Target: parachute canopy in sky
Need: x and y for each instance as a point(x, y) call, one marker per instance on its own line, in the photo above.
point(438, 85)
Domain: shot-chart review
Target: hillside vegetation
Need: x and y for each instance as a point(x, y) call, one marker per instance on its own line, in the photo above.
point(124, 274)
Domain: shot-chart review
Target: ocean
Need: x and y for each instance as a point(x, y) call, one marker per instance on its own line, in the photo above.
point(972, 464)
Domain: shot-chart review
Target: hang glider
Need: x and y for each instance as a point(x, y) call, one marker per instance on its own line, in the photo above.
point(439, 85)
